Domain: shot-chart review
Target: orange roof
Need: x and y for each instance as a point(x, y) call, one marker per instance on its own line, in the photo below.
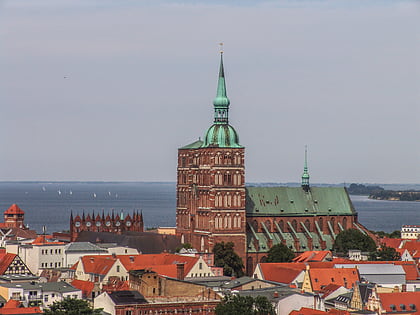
point(14, 209)
point(97, 264)
point(281, 272)
point(332, 287)
point(14, 307)
point(321, 277)
point(135, 262)
point(401, 300)
point(43, 240)
point(164, 264)
point(85, 286)
point(413, 246)
point(5, 261)
point(411, 271)
point(307, 311)
point(391, 242)
point(316, 255)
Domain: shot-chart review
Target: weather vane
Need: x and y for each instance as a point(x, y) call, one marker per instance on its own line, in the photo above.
point(221, 48)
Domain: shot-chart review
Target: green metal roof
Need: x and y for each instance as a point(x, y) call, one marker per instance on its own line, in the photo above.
point(222, 136)
point(195, 145)
point(294, 201)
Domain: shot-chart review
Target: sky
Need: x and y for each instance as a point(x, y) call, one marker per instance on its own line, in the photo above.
point(109, 90)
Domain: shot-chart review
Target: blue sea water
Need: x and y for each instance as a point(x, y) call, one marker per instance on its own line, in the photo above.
point(50, 204)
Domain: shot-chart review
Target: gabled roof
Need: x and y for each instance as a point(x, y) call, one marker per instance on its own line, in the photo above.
point(401, 302)
point(127, 297)
point(44, 240)
point(97, 264)
point(85, 286)
point(391, 242)
point(5, 261)
point(326, 291)
point(15, 307)
point(281, 272)
point(321, 277)
point(158, 261)
point(316, 255)
point(14, 209)
point(307, 311)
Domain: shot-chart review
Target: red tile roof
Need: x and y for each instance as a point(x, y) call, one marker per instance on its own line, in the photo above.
point(321, 277)
point(5, 261)
point(14, 209)
point(310, 311)
point(43, 240)
point(332, 287)
point(85, 286)
point(14, 307)
point(319, 255)
point(400, 300)
point(391, 242)
point(281, 272)
point(97, 264)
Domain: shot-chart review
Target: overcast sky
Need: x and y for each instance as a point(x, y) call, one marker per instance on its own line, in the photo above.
point(108, 90)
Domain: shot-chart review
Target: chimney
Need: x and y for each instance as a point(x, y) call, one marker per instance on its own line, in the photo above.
point(404, 288)
point(180, 271)
point(275, 294)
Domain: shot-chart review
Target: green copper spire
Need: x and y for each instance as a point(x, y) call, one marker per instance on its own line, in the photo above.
point(305, 175)
point(221, 134)
point(221, 102)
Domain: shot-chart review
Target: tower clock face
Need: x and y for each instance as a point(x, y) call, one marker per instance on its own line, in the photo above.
point(118, 223)
point(77, 224)
point(98, 223)
point(88, 224)
point(128, 223)
point(108, 223)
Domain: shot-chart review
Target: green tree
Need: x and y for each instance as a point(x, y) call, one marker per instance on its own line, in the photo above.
point(184, 245)
point(245, 305)
point(70, 306)
point(353, 239)
point(280, 253)
point(385, 253)
point(225, 256)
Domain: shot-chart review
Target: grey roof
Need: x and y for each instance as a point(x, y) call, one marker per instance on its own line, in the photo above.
point(62, 287)
point(127, 297)
point(270, 293)
point(83, 247)
point(211, 282)
point(17, 277)
point(243, 280)
point(375, 269)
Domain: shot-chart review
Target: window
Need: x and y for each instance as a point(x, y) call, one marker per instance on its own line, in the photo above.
point(118, 268)
point(200, 266)
point(128, 312)
point(46, 298)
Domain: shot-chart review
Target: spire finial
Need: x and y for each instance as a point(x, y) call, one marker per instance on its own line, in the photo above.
point(305, 175)
point(221, 48)
point(221, 102)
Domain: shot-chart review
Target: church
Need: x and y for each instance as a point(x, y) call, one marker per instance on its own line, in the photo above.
point(214, 204)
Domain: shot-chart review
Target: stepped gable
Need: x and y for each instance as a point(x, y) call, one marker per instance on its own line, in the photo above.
point(144, 242)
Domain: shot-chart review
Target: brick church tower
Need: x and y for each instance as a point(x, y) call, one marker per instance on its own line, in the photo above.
point(211, 183)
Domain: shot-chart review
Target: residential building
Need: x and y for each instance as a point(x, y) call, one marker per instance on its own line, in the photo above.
point(317, 278)
point(39, 294)
point(42, 253)
point(16, 307)
point(394, 303)
point(411, 232)
point(11, 264)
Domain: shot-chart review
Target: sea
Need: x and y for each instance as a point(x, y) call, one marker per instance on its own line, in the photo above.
point(50, 204)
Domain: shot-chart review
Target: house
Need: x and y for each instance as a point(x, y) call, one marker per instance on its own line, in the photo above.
point(361, 293)
point(158, 288)
point(39, 294)
point(410, 232)
point(12, 264)
point(99, 268)
point(133, 303)
point(316, 279)
point(16, 307)
point(42, 253)
point(286, 273)
point(395, 302)
point(310, 311)
point(387, 275)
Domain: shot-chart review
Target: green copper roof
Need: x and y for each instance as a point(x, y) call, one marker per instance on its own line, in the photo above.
point(195, 145)
point(221, 100)
point(305, 175)
point(295, 201)
point(222, 136)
